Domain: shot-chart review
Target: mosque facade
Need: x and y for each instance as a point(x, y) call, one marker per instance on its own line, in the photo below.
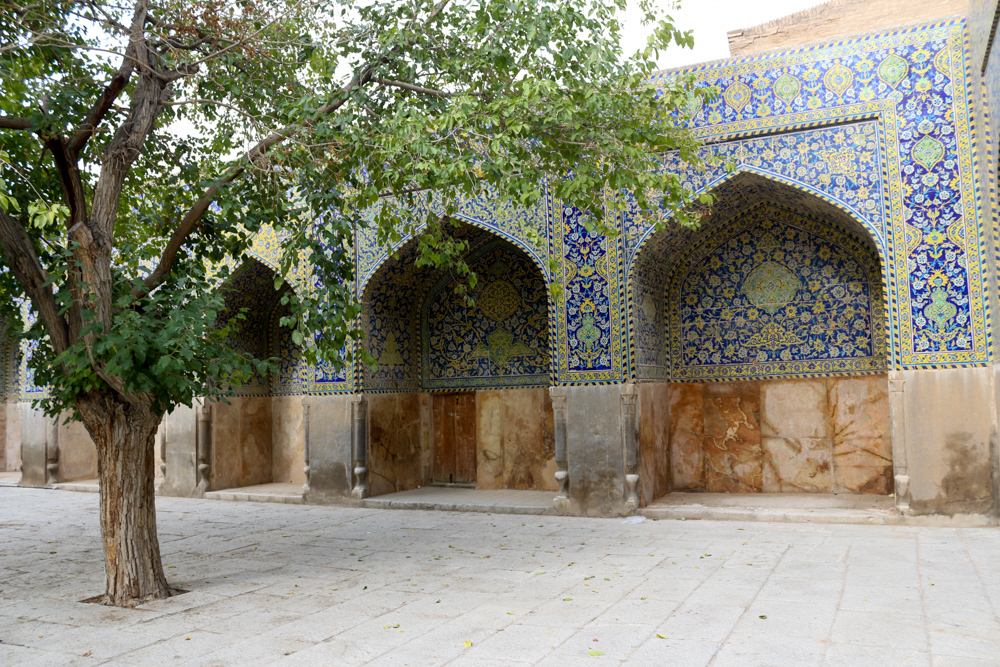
point(829, 328)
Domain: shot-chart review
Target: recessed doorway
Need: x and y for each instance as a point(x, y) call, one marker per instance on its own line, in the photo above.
point(454, 429)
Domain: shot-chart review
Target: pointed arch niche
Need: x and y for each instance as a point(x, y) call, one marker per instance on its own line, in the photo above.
point(459, 394)
point(257, 438)
point(759, 342)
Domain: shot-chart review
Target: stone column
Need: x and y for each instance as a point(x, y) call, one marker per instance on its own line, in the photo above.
point(306, 405)
point(897, 417)
point(203, 444)
point(52, 451)
point(359, 441)
point(559, 411)
point(630, 441)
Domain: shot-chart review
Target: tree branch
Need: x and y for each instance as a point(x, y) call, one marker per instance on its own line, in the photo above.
point(100, 108)
point(191, 218)
point(12, 123)
point(68, 169)
point(24, 264)
point(415, 89)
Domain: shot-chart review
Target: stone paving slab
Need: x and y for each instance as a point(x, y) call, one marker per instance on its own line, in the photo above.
point(290, 585)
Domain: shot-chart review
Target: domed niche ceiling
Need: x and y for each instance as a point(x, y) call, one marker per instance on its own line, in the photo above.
point(775, 283)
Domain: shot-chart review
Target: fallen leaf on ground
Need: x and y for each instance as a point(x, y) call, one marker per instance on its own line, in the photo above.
point(467, 644)
point(659, 636)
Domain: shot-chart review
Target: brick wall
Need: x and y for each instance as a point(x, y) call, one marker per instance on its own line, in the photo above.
point(838, 19)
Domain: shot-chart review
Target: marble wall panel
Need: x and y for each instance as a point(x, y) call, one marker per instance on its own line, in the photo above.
point(795, 432)
point(528, 439)
point(654, 440)
point(594, 448)
point(687, 431)
point(733, 455)
point(226, 458)
point(490, 471)
point(862, 443)
point(180, 426)
point(396, 442)
point(255, 436)
point(776, 436)
point(34, 442)
point(514, 440)
point(77, 452)
point(241, 442)
point(796, 465)
point(288, 439)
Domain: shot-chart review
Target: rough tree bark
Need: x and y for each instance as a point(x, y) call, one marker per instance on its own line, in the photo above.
point(125, 434)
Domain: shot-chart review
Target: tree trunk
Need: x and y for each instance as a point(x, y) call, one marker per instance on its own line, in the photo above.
point(125, 432)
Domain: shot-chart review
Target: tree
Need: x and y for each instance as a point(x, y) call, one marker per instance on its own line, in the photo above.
point(144, 143)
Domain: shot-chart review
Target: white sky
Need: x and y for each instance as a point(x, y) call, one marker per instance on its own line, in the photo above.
point(710, 20)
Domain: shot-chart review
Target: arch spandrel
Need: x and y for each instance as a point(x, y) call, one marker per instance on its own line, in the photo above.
point(841, 165)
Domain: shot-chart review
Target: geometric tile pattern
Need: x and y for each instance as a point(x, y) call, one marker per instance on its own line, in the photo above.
point(773, 293)
point(589, 316)
point(501, 339)
point(28, 389)
point(659, 254)
point(391, 308)
point(424, 336)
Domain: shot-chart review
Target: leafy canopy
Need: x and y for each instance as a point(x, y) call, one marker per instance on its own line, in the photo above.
point(144, 144)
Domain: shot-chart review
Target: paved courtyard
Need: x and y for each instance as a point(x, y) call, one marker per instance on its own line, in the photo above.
point(274, 584)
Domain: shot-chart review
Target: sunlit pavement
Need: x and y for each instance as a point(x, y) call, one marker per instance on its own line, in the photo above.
point(306, 585)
